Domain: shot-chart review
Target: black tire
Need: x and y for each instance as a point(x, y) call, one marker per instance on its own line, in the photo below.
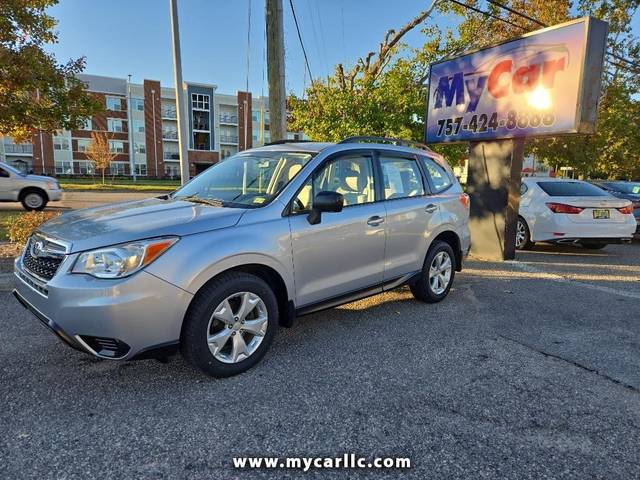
point(593, 246)
point(27, 197)
point(193, 344)
point(422, 289)
point(526, 243)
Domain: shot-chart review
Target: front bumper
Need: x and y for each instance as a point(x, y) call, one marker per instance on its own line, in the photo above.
point(115, 319)
point(55, 195)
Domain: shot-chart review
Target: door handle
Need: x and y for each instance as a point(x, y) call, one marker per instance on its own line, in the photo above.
point(431, 208)
point(375, 221)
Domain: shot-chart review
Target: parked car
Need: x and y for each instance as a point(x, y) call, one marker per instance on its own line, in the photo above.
point(628, 191)
point(33, 191)
point(269, 234)
point(571, 212)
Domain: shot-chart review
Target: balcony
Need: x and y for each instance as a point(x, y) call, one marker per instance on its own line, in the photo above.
point(19, 148)
point(169, 135)
point(229, 119)
point(232, 139)
point(171, 156)
point(169, 113)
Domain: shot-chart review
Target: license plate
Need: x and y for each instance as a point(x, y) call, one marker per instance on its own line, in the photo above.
point(599, 213)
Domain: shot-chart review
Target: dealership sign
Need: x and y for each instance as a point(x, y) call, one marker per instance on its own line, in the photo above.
point(544, 83)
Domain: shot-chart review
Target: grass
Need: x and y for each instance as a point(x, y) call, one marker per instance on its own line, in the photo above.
point(143, 185)
point(5, 221)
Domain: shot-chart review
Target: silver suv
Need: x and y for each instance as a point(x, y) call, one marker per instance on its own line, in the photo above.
point(256, 240)
point(33, 191)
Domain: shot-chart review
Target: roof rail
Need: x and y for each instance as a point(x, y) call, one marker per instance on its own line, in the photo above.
point(288, 140)
point(393, 141)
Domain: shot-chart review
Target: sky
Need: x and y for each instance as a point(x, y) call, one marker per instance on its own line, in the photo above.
point(121, 37)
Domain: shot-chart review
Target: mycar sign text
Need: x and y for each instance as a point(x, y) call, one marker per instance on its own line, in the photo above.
point(544, 83)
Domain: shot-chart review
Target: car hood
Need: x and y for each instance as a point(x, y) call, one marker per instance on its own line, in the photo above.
point(125, 222)
point(39, 178)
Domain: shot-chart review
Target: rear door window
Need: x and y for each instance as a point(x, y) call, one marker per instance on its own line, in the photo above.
point(401, 178)
point(571, 189)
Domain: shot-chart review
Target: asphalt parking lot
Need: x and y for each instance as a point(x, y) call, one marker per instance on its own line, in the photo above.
point(529, 369)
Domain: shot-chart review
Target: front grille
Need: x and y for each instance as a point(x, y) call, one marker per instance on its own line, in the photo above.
point(44, 265)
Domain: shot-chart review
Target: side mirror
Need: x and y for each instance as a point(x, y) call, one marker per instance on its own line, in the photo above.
point(325, 202)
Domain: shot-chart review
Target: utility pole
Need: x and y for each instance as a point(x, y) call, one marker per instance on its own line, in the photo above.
point(275, 71)
point(181, 107)
point(132, 142)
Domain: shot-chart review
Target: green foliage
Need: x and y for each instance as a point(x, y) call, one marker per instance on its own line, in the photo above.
point(388, 97)
point(36, 91)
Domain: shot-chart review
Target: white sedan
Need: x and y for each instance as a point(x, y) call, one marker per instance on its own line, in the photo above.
point(573, 212)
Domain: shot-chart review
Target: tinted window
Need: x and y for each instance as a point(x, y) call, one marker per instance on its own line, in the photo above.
point(401, 178)
point(3, 173)
point(571, 189)
point(624, 187)
point(439, 176)
point(350, 176)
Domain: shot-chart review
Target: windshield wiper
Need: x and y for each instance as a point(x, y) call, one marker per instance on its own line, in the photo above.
point(204, 201)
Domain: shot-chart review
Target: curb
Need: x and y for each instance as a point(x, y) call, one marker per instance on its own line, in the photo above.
point(6, 282)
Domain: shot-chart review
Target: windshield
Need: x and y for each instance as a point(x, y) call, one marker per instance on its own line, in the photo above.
point(11, 169)
point(245, 179)
point(632, 188)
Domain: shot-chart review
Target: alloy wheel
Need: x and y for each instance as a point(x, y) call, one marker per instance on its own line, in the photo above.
point(237, 327)
point(521, 234)
point(440, 273)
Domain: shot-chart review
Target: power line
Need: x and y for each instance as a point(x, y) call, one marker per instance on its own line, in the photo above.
point(542, 24)
point(304, 51)
point(531, 19)
point(488, 14)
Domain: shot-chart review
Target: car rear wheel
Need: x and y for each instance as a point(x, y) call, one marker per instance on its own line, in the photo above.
point(523, 235)
point(437, 274)
point(33, 199)
point(230, 325)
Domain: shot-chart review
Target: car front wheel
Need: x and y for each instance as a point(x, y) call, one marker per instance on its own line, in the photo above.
point(33, 200)
point(230, 324)
point(437, 274)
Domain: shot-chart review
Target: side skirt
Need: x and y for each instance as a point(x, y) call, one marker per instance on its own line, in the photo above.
point(407, 279)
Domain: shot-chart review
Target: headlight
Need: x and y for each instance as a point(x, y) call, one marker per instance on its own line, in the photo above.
point(52, 185)
point(122, 260)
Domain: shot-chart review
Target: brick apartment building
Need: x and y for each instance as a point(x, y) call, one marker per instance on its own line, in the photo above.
point(140, 120)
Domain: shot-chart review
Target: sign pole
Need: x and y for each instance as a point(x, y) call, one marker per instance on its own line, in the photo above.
point(493, 182)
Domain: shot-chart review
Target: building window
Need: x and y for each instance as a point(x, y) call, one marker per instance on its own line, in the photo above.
point(172, 170)
point(170, 133)
point(255, 115)
point(83, 143)
point(61, 143)
point(201, 121)
point(116, 146)
point(138, 126)
point(115, 103)
point(118, 168)
point(64, 168)
point(140, 148)
point(199, 101)
point(116, 125)
point(86, 168)
point(137, 104)
point(87, 125)
point(201, 141)
point(141, 169)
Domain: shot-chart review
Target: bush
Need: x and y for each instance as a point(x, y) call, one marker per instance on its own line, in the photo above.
point(23, 225)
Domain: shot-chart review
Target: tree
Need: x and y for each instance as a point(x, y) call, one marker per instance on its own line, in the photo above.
point(35, 91)
point(99, 152)
point(384, 93)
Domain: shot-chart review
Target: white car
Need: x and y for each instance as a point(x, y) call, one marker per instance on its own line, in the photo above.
point(33, 191)
point(571, 212)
